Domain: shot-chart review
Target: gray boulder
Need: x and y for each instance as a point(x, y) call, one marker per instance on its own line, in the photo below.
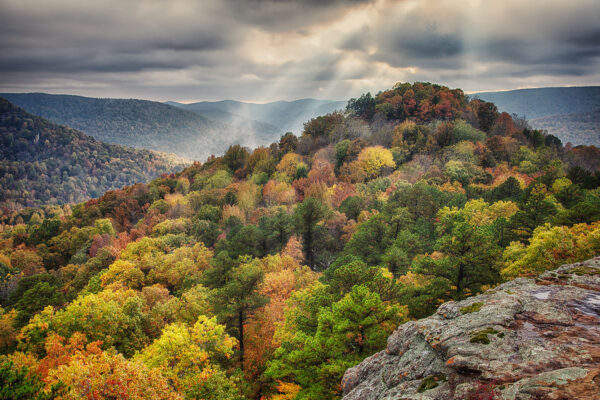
point(525, 339)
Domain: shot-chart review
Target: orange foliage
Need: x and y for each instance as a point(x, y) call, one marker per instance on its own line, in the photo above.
point(60, 351)
point(341, 192)
point(278, 193)
point(283, 276)
point(293, 249)
point(289, 163)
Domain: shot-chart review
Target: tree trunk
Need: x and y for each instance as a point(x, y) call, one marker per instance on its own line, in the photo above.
point(241, 338)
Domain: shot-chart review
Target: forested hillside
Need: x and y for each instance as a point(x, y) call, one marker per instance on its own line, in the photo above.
point(136, 123)
point(576, 128)
point(569, 113)
point(43, 163)
point(266, 273)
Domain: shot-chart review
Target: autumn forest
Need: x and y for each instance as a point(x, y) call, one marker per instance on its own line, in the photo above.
point(265, 273)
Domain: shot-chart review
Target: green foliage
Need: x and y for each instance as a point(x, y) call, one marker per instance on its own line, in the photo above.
point(114, 317)
point(370, 240)
point(363, 107)
point(235, 157)
point(348, 331)
point(464, 131)
point(238, 298)
point(18, 383)
point(550, 247)
point(307, 217)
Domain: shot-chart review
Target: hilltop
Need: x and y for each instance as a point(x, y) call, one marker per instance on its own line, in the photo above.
point(44, 163)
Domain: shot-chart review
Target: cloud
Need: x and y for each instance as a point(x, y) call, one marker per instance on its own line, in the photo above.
point(266, 50)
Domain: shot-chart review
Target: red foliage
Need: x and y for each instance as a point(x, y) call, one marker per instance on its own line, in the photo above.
point(98, 242)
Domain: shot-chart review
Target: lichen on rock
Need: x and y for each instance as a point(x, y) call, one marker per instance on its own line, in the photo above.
point(526, 339)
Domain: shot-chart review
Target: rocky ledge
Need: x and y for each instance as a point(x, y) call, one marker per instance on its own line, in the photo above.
point(525, 339)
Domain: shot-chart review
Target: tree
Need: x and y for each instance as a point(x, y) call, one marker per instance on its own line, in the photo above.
point(288, 143)
point(20, 383)
point(374, 159)
point(536, 209)
point(363, 107)
point(112, 316)
point(370, 240)
point(191, 358)
point(103, 375)
point(36, 298)
point(550, 247)
point(283, 276)
point(469, 257)
point(247, 240)
point(276, 231)
point(238, 299)
point(235, 157)
point(347, 332)
point(306, 217)
point(289, 164)
point(487, 113)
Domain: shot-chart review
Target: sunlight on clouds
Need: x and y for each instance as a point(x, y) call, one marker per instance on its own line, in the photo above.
point(280, 48)
point(274, 49)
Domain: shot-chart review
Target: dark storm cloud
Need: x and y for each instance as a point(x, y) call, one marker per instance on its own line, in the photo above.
point(273, 49)
point(284, 15)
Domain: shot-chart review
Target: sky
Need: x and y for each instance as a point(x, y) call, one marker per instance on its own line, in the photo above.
point(267, 50)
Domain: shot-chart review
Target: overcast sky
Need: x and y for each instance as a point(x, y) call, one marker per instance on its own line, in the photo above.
point(264, 50)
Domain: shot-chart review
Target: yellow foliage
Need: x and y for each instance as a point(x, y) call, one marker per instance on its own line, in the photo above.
point(279, 193)
point(551, 247)
point(125, 272)
point(289, 164)
point(560, 184)
point(479, 213)
point(8, 334)
point(248, 196)
point(232, 211)
point(373, 159)
point(186, 355)
point(454, 187)
point(4, 259)
point(108, 376)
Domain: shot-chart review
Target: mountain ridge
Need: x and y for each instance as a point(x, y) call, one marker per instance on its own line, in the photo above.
point(130, 122)
point(283, 115)
point(558, 110)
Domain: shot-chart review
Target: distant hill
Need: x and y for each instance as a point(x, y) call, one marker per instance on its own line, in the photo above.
point(541, 102)
point(279, 116)
point(577, 128)
point(219, 114)
point(44, 163)
point(570, 113)
point(138, 123)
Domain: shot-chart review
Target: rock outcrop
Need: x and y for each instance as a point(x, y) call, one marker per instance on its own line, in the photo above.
point(525, 339)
